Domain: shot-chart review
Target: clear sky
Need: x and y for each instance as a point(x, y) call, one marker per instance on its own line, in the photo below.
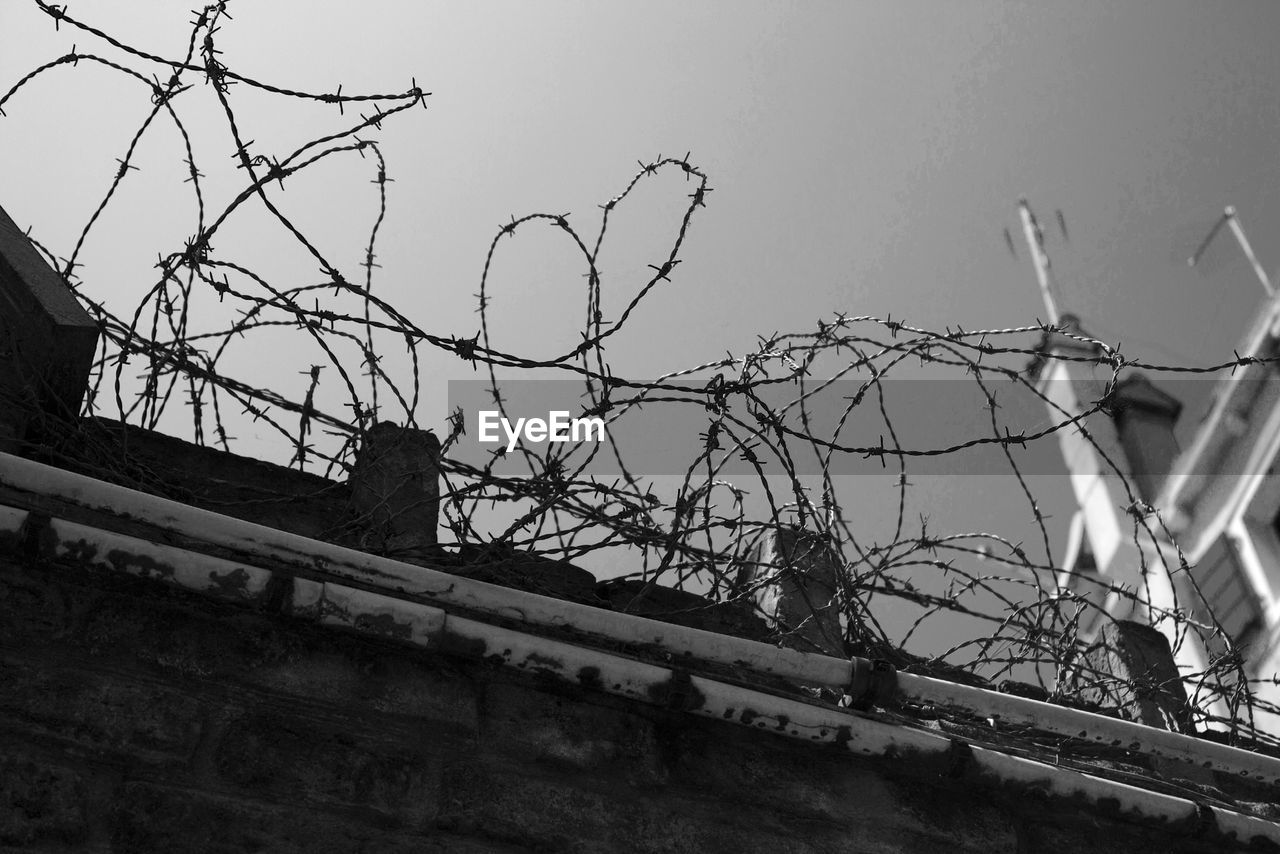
point(865, 157)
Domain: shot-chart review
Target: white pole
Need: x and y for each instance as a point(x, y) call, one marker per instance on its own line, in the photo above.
point(1035, 242)
point(1230, 217)
point(1238, 230)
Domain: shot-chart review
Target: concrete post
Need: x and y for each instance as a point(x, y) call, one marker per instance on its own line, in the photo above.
point(794, 581)
point(1145, 686)
point(1143, 680)
point(395, 491)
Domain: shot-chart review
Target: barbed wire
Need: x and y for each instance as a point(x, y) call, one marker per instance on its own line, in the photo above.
point(1015, 615)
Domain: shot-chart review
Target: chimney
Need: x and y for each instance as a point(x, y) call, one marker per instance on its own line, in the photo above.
point(1061, 343)
point(1145, 418)
point(395, 491)
point(794, 579)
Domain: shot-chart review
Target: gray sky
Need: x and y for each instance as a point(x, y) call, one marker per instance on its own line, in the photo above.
point(865, 158)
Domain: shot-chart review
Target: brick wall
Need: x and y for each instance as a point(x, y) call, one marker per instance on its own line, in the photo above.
point(135, 717)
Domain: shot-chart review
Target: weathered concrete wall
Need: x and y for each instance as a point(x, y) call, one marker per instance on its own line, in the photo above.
point(135, 717)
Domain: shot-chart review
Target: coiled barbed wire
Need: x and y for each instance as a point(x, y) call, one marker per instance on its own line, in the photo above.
point(1022, 618)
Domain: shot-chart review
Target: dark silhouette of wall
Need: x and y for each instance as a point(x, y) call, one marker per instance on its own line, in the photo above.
point(136, 717)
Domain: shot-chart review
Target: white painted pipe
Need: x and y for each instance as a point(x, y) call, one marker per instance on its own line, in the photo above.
point(1035, 244)
point(348, 569)
point(1076, 723)
point(312, 557)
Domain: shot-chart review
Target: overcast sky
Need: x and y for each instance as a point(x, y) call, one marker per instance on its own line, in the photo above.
point(865, 157)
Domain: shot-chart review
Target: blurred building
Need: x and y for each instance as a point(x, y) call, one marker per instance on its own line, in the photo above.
point(1215, 495)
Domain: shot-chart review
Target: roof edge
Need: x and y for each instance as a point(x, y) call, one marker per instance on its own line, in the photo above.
point(322, 569)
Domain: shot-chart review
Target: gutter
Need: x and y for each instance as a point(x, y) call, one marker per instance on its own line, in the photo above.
point(343, 587)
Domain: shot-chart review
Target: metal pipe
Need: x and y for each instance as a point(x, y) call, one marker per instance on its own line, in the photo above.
point(347, 569)
point(1076, 723)
point(312, 558)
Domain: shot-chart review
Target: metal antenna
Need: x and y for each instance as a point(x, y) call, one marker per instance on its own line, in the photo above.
point(1035, 241)
point(1229, 217)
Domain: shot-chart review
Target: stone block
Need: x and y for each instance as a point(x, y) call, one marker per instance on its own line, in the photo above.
point(100, 710)
point(873, 806)
point(150, 817)
point(579, 813)
point(366, 680)
point(794, 578)
point(40, 802)
point(32, 608)
point(308, 760)
point(498, 563)
point(682, 608)
point(1134, 673)
point(502, 803)
point(172, 631)
point(566, 732)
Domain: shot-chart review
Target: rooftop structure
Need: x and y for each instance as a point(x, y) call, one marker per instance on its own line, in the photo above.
point(1214, 504)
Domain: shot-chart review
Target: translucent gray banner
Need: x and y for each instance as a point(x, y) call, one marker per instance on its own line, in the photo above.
point(846, 427)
